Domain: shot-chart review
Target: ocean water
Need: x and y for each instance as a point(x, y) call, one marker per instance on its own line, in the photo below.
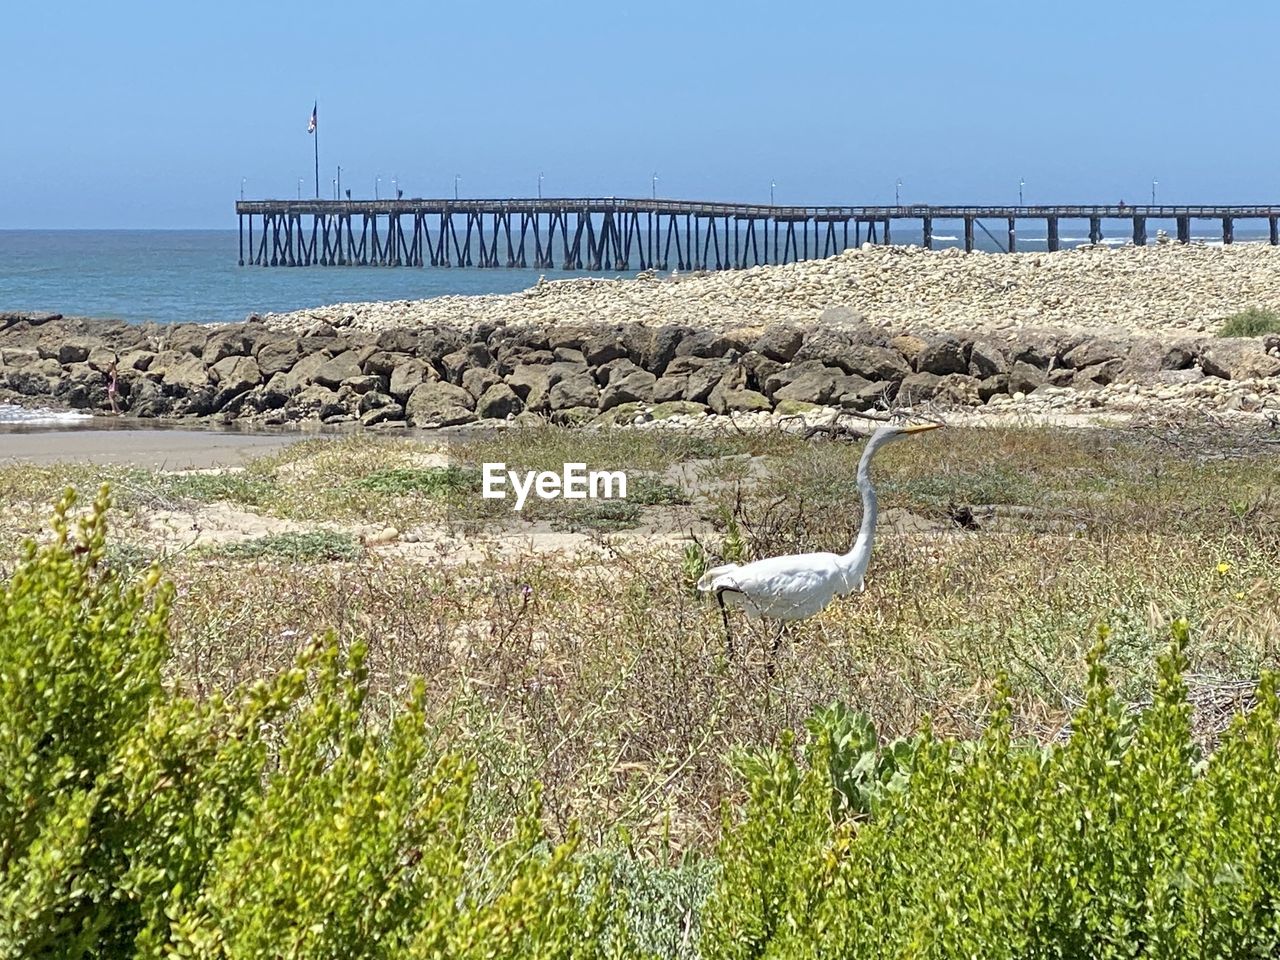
point(173, 276)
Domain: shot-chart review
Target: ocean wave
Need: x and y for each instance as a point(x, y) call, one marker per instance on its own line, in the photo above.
point(12, 413)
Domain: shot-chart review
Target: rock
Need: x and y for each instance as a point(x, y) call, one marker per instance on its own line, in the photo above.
point(986, 360)
point(332, 372)
point(959, 389)
point(302, 372)
point(439, 404)
point(737, 400)
point(277, 356)
point(361, 385)
point(780, 342)
point(573, 416)
point(856, 393)
point(408, 375)
point(910, 347)
point(615, 370)
point(670, 389)
point(812, 386)
point(186, 338)
point(840, 316)
point(381, 363)
point(705, 379)
point(603, 347)
point(470, 356)
point(677, 408)
point(1239, 360)
point(873, 363)
point(578, 390)
point(1093, 352)
point(569, 355)
point(825, 346)
point(759, 368)
point(27, 382)
point(634, 387)
point(653, 348)
point(942, 355)
point(477, 380)
point(918, 387)
point(1177, 377)
point(994, 385)
point(1033, 348)
point(233, 375)
point(1024, 377)
point(227, 343)
point(377, 400)
point(147, 399)
point(1098, 374)
point(73, 352)
point(792, 408)
point(399, 340)
point(183, 375)
point(499, 402)
point(527, 377)
point(315, 401)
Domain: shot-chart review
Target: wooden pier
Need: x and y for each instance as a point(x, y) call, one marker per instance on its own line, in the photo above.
point(625, 234)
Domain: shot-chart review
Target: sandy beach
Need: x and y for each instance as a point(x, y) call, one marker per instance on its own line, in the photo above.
point(150, 448)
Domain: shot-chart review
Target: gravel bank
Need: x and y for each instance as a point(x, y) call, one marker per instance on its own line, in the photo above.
point(1155, 290)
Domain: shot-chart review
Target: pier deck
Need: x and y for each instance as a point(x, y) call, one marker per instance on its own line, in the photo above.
point(622, 234)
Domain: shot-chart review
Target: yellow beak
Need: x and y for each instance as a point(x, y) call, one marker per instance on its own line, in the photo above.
point(920, 427)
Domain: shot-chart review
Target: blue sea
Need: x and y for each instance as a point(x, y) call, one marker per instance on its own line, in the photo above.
point(174, 276)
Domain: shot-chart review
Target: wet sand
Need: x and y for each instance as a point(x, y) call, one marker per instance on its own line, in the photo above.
point(149, 448)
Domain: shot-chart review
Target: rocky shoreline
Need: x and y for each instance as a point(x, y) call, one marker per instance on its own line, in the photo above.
point(870, 328)
point(579, 372)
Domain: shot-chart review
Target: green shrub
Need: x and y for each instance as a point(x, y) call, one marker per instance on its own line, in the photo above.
point(1253, 322)
point(1122, 842)
point(431, 482)
point(136, 821)
point(308, 546)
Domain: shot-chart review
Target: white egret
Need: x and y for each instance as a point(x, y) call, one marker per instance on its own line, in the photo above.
point(797, 586)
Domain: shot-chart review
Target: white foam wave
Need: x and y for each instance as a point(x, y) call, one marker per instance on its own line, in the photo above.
point(12, 413)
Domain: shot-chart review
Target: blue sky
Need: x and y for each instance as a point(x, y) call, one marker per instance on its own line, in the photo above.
point(133, 114)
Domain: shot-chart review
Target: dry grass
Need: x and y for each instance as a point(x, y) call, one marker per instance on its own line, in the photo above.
point(602, 676)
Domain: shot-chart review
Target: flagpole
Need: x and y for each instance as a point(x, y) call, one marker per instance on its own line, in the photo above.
point(317, 145)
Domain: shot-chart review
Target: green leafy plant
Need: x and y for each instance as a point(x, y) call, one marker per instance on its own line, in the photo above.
point(282, 821)
point(1253, 322)
point(310, 546)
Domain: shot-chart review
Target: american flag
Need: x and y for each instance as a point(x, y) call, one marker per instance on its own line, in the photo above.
point(311, 124)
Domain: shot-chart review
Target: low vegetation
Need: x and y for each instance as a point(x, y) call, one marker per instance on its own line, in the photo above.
point(580, 711)
point(1254, 322)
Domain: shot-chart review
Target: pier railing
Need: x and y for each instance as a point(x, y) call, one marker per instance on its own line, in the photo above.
point(620, 233)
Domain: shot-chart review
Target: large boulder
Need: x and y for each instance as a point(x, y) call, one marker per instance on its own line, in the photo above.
point(577, 390)
point(737, 400)
point(1094, 351)
point(233, 375)
point(633, 387)
point(456, 363)
point(408, 375)
point(873, 363)
point(439, 404)
point(332, 372)
point(812, 386)
point(498, 403)
point(919, 387)
point(1239, 360)
point(180, 373)
point(277, 356)
point(779, 342)
point(1025, 377)
point(479, 379)
point(652, 347)
point(943, 355)
point(986, 360)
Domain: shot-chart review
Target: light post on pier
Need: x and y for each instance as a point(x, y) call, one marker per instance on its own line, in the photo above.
point(339, 193)
point(654, 184)
point(897, 193)
point(335, 188)
point(242, 180)
point(1154, 183)
point(539, 186)
point(1021, 183)
point(377, 182)
point(395, 186)
point(772, 184)
point(457, 178)
point(299, 188)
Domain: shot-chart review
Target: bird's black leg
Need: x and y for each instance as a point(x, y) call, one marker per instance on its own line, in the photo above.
point(771, 662)
point(724, 614)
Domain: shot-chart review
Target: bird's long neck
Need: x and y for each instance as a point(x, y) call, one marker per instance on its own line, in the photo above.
point(854, 563)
